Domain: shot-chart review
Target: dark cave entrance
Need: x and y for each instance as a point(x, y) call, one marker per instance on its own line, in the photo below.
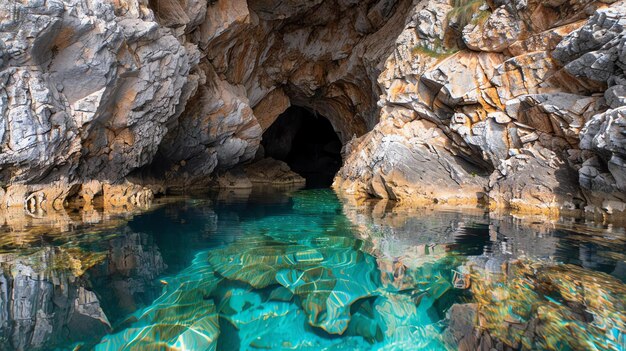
point(307, 142)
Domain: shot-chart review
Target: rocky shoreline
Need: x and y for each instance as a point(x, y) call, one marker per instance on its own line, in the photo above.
point(512, 105)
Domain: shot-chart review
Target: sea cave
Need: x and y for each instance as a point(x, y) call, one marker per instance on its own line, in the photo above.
point(313, 175)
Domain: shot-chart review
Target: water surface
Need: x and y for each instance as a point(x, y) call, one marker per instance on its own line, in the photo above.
point(302, 270)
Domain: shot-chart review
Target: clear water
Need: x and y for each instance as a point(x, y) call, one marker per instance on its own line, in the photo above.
point(304, 271)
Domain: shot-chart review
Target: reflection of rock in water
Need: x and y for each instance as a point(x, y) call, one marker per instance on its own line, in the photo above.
point(46, 299)
point(42, 300)
point(393, 232)
point(511, 304)
point(597, 248)
point(126, 279)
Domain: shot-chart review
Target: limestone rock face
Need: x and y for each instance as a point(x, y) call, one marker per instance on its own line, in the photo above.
point(87, 90)
point(175, 91)
point(515, 103)
point(409, 163)
point(603, 172)
point(596, 52)
point(262, 57)
point(514, 93)
point(496, 33)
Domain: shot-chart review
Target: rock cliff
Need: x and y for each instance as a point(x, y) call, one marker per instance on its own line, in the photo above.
point(510, 103)
point(518, 104)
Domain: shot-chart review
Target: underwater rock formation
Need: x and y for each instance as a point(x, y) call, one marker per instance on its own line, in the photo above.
point(296, 279)
point(51, 294)
point(515, 104)
point(525, 305)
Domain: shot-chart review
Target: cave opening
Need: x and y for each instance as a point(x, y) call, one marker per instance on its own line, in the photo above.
point(307, 142)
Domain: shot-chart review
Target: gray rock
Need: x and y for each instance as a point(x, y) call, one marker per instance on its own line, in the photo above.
point(616, 96)
point(167, 92)
point(604, 175)
point(595, 51)
point(86, 93)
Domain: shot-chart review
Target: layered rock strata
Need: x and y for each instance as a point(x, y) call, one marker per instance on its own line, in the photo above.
point(515, 104)
point(169, 92)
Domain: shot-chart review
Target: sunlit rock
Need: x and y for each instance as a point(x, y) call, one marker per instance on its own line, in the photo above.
point(446, 94)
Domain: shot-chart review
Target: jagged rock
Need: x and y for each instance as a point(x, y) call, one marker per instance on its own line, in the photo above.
point(560, 114)
point(257, 64)
point(594, 50)
point(495, 34)
point(604, 175)
point(86, 92)
point(616, 96)
point(437, 96)
point(535, 181)
point(515, 116)
point(217, 131)
point(409, 164)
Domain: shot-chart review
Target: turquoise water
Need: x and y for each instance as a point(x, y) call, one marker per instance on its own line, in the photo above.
point(292, 276)
point(304, 271)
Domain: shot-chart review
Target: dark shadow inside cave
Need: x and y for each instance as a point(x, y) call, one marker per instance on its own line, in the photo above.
point(307, 142)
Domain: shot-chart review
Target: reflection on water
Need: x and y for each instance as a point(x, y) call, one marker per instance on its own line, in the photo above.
point(305, 271)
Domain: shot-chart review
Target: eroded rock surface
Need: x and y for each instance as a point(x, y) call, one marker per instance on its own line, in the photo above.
point(511, 106)
point(511, 316)
point(162, 91)
point(515, 104)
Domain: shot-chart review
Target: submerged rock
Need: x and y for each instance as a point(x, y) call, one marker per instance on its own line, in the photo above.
point(540, 306)
point(294, 279)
